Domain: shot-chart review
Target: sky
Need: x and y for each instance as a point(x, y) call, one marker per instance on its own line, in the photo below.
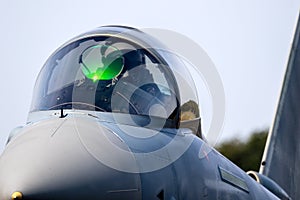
point(248, 41)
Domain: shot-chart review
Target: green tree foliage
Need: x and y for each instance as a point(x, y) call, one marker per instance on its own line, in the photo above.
point(247, 155)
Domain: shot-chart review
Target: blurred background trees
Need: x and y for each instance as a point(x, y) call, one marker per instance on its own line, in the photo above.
point(246, 154)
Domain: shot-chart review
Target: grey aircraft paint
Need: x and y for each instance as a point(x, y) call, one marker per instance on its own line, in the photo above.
point(74, 147)
point(281, 158)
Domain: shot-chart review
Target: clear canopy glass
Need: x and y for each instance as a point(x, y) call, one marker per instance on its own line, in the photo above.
point(117, 73)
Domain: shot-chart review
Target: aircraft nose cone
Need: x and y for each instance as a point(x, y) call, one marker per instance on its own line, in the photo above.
point(49, 160)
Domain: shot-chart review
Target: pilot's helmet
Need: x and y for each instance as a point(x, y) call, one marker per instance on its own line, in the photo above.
point(117, 70)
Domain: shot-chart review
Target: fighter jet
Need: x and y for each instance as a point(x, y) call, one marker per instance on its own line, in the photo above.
point(108, 121)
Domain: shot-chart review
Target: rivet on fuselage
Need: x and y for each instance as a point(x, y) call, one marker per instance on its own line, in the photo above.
point(17, 196)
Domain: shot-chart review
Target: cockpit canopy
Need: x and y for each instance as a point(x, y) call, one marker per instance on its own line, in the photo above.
point(113, 69)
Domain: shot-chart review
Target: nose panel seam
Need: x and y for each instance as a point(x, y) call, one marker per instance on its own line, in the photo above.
point(56, 129)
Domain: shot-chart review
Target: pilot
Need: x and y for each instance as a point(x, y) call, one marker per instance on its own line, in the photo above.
point(125, 67)
point(139, 84)
point(109, 75)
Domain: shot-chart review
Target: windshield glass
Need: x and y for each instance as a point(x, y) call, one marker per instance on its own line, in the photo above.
point(107, 74)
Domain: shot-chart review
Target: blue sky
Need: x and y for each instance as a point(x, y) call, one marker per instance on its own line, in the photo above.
point(248, 41)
